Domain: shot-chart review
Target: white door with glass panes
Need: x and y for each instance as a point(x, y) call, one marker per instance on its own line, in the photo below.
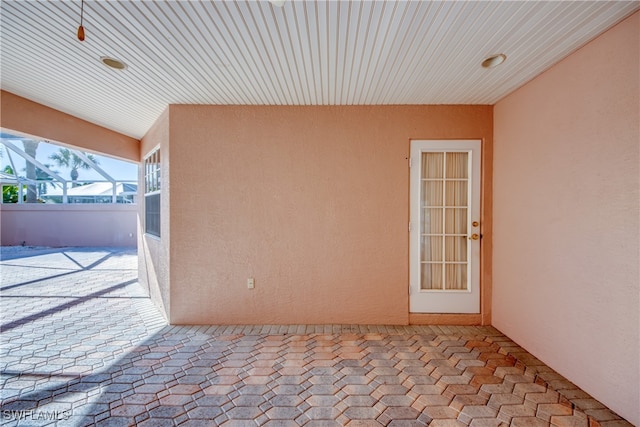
point(445, 226)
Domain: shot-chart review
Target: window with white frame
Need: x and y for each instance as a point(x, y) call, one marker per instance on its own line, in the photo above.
point(152, 187)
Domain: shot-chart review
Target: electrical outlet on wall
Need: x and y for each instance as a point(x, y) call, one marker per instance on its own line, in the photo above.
point(251, 283)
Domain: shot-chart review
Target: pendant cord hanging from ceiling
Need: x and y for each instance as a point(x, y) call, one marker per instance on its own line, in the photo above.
point(81, 28)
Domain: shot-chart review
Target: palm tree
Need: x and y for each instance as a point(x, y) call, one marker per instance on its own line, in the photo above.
point(68, 159)
point(43, 176)
point(30, 148)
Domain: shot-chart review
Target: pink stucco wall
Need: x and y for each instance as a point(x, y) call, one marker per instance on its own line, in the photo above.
point(68, 225)
point(312, 202)
point(566, 217)
point(153, 252)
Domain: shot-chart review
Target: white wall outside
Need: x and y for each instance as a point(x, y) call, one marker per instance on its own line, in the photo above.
point(113, 225)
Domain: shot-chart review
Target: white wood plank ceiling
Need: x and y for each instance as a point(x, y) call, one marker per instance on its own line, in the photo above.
point(334, 52)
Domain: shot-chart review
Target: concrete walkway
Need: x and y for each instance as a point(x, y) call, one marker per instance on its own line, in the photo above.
point(83, 345)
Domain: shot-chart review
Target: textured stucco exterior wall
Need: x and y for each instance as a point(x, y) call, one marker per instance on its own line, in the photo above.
point(312, 202)
point(154, 253)
point(36, 120)
point(566, 215)
point(52, 225)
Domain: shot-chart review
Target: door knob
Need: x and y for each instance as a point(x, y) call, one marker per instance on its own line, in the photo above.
point(474, 236)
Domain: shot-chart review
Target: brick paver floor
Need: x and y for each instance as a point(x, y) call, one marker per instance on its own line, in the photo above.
point(83, 345)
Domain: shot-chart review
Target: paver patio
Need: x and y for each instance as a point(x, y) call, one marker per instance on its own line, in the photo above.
point(82, 344)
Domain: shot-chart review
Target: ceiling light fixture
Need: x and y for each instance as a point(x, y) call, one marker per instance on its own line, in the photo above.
point(81, 28)
point(494, 60)
point(114, 63)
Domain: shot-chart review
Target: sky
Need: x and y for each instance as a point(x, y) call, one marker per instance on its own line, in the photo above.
point(120, 170)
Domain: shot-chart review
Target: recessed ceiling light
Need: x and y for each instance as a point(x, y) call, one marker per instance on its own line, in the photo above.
point(494, 60)
point(113, 63)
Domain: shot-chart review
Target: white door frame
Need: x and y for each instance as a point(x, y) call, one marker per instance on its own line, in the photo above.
point(445, 301)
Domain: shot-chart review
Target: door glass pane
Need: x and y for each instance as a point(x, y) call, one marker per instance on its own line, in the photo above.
point(432, 248)
point(456, 248)
point(431, 276)
point(432, 165)
point(432, 221)
point(457, 165)
point(456, 275)
point(456, 219)
point(432, 194)
point(457, 193)
point(444, 201)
